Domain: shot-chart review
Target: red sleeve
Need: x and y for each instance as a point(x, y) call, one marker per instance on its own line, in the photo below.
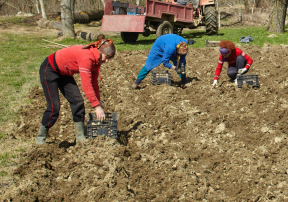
point(95, 84)
point(88, 81)
point(247, 58)
point(218, 68)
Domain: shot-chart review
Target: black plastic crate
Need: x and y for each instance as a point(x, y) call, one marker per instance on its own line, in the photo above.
point(119, 10)
point(124, 5)
point(115, 3)
point(160, 77)
point(107, 127)
point(251, 80)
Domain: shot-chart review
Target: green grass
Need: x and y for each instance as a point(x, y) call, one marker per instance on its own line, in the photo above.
point(22, 54)
point(20, 150)
point(259, 35)
point(1, 135)
point(3, 173)
point(4, 159)
point(7, 158)
point(15, 20)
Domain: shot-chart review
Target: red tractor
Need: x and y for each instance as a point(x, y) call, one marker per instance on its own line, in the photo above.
point(159, 18)
point(205, 14)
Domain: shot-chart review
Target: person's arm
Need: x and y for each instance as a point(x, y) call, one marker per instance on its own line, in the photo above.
point(168, 52)
point(247, 58)
point(218, 68)
point(85, 73)
point(95, 76)
point(89, 83)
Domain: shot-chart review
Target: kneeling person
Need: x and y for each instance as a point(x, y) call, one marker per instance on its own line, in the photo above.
point(238, 61)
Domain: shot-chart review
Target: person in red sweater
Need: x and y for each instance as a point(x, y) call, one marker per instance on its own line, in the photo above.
point(56, 72)
point(238, 61)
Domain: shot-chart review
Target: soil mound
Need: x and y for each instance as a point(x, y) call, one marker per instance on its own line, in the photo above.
point(174, 144)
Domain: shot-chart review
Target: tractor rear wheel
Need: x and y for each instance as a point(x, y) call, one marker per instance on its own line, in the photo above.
point(164, 28)
point(129, 37)
point(211, 20)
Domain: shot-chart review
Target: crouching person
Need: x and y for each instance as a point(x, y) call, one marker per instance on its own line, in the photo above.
point(56, 72)
point(238, 61)
point(166, 47)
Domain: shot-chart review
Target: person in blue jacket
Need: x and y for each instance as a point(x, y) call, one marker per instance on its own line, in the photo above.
point(166, 47)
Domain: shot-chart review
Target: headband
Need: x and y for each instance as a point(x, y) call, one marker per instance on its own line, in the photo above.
point(223, 50)
point(182, 48)
point(97, 44)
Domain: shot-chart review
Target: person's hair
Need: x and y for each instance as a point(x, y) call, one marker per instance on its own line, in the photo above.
point(227, 44)
point(107, 48)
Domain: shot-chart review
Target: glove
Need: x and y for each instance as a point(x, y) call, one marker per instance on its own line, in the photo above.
point(215, 83)
point(242, 71)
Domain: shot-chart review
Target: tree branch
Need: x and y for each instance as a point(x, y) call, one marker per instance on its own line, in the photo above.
point(2, 4)
point(14, 7)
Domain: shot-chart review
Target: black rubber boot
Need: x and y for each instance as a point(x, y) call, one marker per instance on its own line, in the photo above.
point(79, 131)
point(40, 139)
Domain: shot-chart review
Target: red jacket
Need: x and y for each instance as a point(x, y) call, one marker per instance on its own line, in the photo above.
point(232, 61)
point(86, 62)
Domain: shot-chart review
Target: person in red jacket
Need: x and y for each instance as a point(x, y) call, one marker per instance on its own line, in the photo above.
point(238, 61)
point(56, 72)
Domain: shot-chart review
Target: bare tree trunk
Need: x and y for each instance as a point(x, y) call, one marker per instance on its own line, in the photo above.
point(2, 4)
point(138, 2)
point(73, 10)
point(43, 9)
point(67, 18)
point(277, 20)
point(219, 15)
point(240, 15)
point(103, 1)
point(37, 6)
point(246, 4)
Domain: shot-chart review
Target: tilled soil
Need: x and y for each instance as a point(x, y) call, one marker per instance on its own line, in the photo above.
point(174, 144)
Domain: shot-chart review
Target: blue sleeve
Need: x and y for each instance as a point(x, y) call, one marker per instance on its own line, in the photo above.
point(168, 52)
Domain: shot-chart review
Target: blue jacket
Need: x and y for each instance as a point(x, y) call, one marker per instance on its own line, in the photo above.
point(163, 50)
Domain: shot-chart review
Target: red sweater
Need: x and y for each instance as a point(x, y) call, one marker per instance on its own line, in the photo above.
point(86, 62)
point(232, 61)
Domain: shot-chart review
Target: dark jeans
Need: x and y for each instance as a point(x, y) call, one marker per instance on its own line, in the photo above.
point(52, 81)
point(233, 71)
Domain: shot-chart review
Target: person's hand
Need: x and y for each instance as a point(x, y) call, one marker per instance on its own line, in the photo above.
point(242, 71)
point(100, 113)
point(173, 67)
point(215, 83)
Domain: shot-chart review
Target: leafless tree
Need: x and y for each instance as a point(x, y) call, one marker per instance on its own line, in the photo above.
point(246, 4)
point(37, 6)
point(43, 9)
point(67, 18)
point(277, 20)
point(2, 4)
